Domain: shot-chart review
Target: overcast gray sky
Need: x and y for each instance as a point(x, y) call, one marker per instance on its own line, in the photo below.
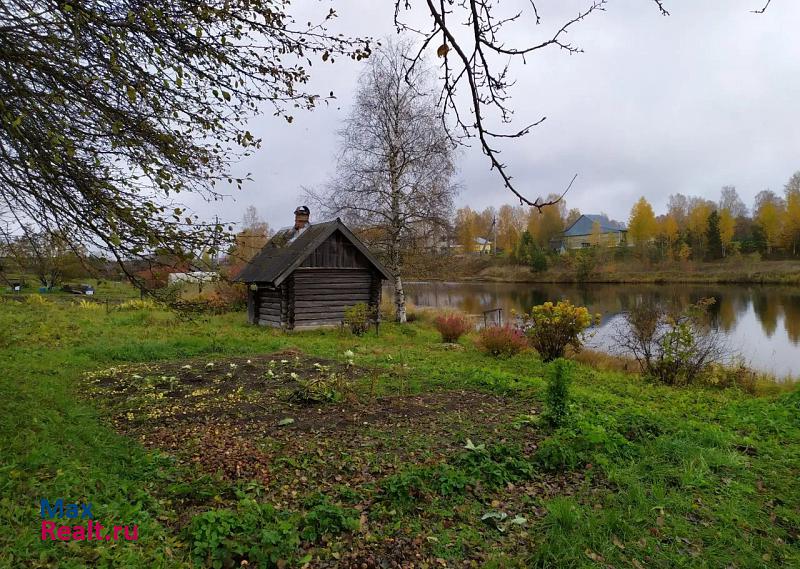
point(655, 105)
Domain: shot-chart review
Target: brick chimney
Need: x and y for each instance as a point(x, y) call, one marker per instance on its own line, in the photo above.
point(301, 215)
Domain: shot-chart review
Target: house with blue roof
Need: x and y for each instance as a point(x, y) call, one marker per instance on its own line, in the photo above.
point(592, 230)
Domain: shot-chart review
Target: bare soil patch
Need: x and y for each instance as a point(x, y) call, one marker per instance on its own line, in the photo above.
point(238, 419)
point(236, 416)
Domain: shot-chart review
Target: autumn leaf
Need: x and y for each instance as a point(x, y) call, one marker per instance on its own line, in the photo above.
point(594, 556)
point(442, 51)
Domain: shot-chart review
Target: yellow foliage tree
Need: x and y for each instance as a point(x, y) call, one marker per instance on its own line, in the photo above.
point(572, 217)
point(549, 224)
point(642, 225)
point(727, 226)
point(511, 222)
point(669, 231)
point(466, 228)
point(251, 239)
point(792, 218)
point(769, 217)
point(697, 223)
point(534, 219)
point(685, 252)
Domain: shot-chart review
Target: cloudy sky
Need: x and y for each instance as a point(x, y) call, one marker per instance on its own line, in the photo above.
point(707, 97)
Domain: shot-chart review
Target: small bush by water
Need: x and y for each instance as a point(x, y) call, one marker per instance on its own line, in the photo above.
point(502, 341)
point(452, 326)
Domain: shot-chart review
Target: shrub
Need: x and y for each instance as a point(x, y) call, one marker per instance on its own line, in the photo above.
point(502, 341)
point(539, 261)
point(559, 378)
point(552, 327)
point(231, 295)
point(357, 318)
point(672, 348)
point(739, 374)
point(586, 262)
point(193, 307)
point(452, 326)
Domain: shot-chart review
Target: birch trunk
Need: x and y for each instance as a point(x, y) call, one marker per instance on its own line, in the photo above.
point(399, 299)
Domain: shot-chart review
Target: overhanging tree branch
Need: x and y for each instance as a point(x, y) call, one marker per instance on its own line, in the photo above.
point(475, 57)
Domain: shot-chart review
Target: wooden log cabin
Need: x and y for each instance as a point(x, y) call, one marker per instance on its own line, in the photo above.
point(308, 274)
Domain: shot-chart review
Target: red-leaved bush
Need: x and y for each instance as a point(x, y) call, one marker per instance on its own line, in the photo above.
point(502, 341)
point(452, 326)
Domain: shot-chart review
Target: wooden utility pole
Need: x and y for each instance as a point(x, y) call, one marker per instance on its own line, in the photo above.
point(493, 234)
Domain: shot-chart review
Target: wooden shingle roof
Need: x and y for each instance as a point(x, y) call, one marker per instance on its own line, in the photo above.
point(289, 248)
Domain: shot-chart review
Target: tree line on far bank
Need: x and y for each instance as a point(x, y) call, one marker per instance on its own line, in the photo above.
point(691, 228)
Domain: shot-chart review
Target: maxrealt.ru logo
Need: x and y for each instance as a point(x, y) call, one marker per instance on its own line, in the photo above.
point(91, 531)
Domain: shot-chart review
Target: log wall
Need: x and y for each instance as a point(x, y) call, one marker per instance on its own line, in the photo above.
point(322, 295)
point(270, 306)
point(332, 278)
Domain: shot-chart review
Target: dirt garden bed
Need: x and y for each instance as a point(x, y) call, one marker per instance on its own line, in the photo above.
point(241, 419)
point(237, 414)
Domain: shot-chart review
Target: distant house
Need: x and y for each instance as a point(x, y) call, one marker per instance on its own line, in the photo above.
point(483, 246)
point(592, 230)
point(480, 246)
point(308, 274)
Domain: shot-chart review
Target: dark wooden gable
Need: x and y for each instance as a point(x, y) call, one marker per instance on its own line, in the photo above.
point(336, 251)
point(309, 278)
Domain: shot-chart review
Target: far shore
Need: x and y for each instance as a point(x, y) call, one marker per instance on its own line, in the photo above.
point(728, 272)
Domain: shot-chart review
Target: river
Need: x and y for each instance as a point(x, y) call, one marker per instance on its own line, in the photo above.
point(761, 323)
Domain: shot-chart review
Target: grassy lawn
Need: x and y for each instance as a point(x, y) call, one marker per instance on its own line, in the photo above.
point(225, 442)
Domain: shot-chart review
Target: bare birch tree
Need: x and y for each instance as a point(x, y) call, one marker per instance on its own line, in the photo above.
point(396, 161)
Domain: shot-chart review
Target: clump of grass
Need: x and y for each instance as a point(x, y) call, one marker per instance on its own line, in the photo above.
point(137, 304)
point(604, 361)
point(37, 299)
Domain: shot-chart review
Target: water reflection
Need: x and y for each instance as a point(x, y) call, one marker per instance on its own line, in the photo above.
point(761, 322)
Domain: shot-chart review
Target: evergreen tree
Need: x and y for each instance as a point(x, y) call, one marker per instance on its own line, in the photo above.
point(713, 239)
point(529, 253)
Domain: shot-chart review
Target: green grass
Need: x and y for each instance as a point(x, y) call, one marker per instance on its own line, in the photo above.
point(639, 475)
